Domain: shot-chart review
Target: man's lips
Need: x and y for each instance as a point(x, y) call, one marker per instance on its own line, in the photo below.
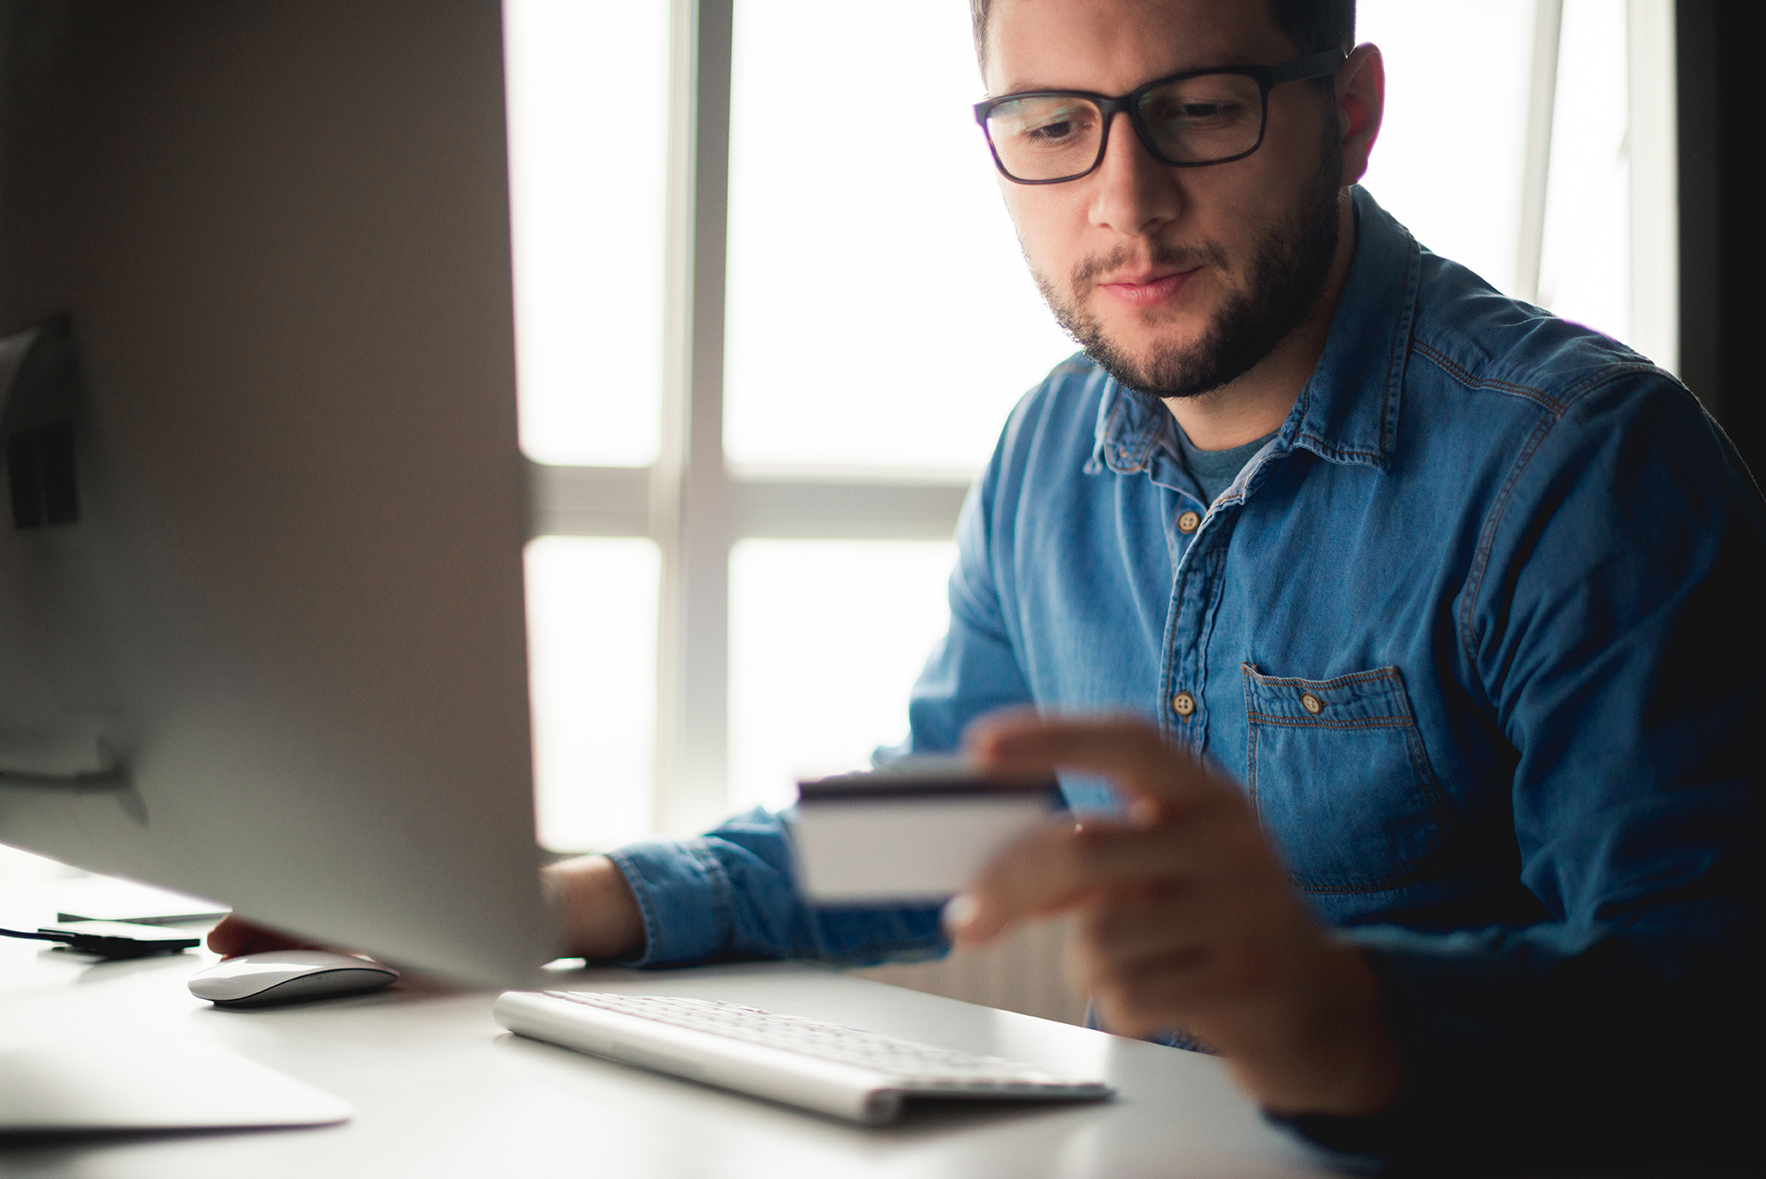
point(1148, 290)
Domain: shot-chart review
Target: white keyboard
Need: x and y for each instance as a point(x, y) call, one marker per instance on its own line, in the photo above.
point(851, 1074)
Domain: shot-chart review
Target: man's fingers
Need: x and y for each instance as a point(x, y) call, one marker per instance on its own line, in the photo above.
point(1012, 886)
point(1127, 750)
point(234, 936)
point(1157, 994)
point(1117, 931)
point(1058, 865)
point(1188, 944)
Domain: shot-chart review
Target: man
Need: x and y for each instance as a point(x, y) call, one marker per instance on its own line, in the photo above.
point(1405, 622)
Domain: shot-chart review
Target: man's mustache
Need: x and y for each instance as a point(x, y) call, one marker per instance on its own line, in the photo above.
point(1161, 257)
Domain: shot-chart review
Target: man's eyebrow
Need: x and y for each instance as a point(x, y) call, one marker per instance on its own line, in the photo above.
point(1231, 61)
point(1038, 88)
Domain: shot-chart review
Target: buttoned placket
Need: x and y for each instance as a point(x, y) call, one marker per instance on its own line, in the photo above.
point(1183, 671)
point(1199, 557)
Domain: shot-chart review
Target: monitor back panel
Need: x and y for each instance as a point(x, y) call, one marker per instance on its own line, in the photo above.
point(281, 235)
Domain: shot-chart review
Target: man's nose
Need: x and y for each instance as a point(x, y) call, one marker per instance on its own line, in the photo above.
point(1134, 194)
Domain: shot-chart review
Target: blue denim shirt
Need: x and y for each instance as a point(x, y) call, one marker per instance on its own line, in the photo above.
point(1474, 630)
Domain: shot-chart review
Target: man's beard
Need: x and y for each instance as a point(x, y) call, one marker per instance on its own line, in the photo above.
point(1289, 264)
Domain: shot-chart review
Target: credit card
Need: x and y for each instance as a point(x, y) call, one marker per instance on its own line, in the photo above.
point(915, 833)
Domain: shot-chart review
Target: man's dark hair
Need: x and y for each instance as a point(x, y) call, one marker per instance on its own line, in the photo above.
point(1312, 25)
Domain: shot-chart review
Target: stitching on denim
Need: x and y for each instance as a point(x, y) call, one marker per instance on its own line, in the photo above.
point(1401, 338)
point(1207, 605)
point(1425, 772)
point(1333, 451)
point(1593, 380)
point(1392, 721)
point(1487, 540)
point(1168, 640)
point(1148, 439)
point(1357, 677)
point(1210, 609)
point(1246, 672)
point(1465, 378)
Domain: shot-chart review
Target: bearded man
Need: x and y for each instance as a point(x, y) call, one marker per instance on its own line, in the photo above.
point(1389, 633)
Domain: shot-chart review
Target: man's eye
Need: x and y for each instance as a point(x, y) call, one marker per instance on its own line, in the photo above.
point(1053, 132)
point(1198, 114)
point(1048, 126)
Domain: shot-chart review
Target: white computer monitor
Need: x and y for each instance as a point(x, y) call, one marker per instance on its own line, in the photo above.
point(276, 655)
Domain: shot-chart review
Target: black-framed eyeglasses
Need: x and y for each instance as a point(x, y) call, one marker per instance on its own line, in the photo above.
point(1186, 120)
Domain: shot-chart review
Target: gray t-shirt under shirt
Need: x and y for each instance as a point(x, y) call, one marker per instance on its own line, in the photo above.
point(1214, 470)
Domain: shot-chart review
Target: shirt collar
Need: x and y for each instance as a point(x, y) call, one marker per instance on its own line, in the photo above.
point(1347, 412)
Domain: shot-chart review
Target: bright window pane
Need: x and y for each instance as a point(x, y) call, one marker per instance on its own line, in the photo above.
point(591, 621)
point(879, 311)
point(587, 105)
point(1449, 159)
point(1453, 143)
point(826, 638)
point(1585, 271)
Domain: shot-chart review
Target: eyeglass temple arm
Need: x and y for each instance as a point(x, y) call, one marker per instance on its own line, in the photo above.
point(1314, 65)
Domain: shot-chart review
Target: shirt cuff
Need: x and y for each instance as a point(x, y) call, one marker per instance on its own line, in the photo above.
point(683, 895)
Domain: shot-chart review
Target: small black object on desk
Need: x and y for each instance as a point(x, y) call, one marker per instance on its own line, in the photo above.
point(111, 939)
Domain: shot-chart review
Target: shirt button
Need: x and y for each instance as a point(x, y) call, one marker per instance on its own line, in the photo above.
point(1188, 522)
point(1183, 704)
point(1311, 703)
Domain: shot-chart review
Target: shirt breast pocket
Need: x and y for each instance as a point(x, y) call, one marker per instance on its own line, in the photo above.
point(1341, 780)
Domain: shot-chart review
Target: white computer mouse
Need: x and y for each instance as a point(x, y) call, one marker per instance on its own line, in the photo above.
point(283, 976)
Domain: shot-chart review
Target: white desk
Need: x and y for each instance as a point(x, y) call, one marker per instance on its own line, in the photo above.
point(439, 1089)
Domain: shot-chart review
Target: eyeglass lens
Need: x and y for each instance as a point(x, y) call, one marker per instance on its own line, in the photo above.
point(1195, 120)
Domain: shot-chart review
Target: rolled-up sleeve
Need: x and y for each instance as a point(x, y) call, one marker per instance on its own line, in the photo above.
point(729, 894)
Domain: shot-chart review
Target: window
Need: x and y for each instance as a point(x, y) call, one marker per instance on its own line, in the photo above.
point(591, 609)
point(880, 315)
point(804, 614)
point(757, 374)
point(588, 151)
point(1533, 140)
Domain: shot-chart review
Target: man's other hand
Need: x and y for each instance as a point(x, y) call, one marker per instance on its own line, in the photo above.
point(234, 936)
point(598, 916)
point(1185, 918)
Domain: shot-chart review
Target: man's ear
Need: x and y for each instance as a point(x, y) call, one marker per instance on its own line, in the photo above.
point(1361, 103)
